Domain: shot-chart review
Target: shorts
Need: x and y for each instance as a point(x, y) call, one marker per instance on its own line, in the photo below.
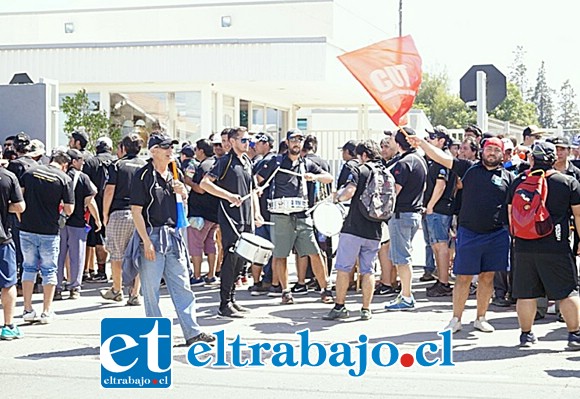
point(385, 237)
point(481, 252)
point(437, 227)
point(8, 276)
point(202, 241)
point(290, 231)
point(402, 232)
point(121, 228)
point(351, 247)
point(40, 251)
point(95, 238)
point(536, 275)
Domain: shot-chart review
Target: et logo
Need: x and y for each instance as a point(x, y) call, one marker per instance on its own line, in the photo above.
point(136, 353)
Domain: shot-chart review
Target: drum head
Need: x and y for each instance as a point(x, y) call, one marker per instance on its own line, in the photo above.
point(258, 241)
point(328, 218)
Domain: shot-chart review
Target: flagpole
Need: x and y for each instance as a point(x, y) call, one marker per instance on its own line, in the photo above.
point(400, 18)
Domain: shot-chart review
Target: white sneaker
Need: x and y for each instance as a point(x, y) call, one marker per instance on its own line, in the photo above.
point(454, 325)
point(47, 317)
point(29, 316)
point(482, 325)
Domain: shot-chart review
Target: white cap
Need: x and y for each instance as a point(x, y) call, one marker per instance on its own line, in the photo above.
point(140, 122)
point(507, 144)
point(105, 141)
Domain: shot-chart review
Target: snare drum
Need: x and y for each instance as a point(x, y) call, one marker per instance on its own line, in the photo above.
point(328, 218)
point(254, 249)
point(287, 205)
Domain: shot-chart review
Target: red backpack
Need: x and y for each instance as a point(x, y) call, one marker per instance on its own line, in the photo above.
point(530, 219)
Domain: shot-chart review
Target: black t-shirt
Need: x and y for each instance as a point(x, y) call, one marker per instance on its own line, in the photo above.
point(45, 187)
point(121, 175)
point(97, 168)
point(572, 170)
point(436, 172)
point(285, 185)
point(20, 165)
point(155, 194)
point(10, 192)
point(355, 223)
point(410, 173)
point(563, 192)
point(233, 174)
point(203, 205)
point(483, 207)
point(266, 193)
point(315, 187)
point(83, 188)
point(345, 172)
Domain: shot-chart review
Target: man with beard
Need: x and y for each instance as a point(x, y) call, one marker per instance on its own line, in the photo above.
point(482, 237)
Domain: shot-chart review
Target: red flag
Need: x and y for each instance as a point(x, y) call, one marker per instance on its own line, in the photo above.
point(390, 71)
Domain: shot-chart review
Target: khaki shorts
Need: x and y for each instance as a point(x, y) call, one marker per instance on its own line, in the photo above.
point(289, 231)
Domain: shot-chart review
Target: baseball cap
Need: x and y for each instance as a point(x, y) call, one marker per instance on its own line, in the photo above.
point(436, 133)
point(575, 141)
point(161, 140)
point(559, 141)
point(544, 151)
point(188, 151)
point(60, 152)
point(217, 139)
point(81, 135)
point(494, 141)
point(532, 130)
point(350, 145)
point(74, 154)
point(265, 137)
point(36, 148)
point(473, 129)
point(104, 141)
point(294, 133)
point(507, 144)
point(22, 139)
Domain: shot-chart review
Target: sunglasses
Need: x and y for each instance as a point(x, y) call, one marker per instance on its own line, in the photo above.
point(165, 146)
point(296, 139)
point(217, 145)
point(244, 140)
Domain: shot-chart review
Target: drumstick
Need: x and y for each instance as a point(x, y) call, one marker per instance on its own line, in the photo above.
point(308, 212)
point(261, 188)
point(290, 172)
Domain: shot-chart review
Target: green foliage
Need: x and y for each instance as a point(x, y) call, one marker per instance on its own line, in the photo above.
point(518, 72)
point(569, 116)
point(82, 112)
point(441, 107)
point(543, 99)
point(514, 109)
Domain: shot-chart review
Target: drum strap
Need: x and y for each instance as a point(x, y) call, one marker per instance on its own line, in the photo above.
point(229, 219)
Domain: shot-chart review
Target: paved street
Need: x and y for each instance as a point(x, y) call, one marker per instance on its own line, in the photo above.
point(62, 359)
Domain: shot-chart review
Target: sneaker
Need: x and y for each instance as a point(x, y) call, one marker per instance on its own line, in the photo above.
point(427, 276)
point(29, 315)
point(275, 291)
point(574, 340)
point(210, 281)
point(134, 300)
point(57, 296)
point(196, 282)
point(86, 277)
point(366, 314)
point(501, 302)
point(454, 325)
point(112, 295)
point(385, 290)
point(482, 325)
point(299, 289)
point(326, 297)
point(400, 304)
point(47, 317)
point(527, 339)
point(98, 278)
point(230, 311)
point(240, 308)
point(287, 298)
point(336, 314)
point(439, 289)
point(8, 334)
point(472, 289)
point(201, 337)
point(75, 293)
point(312, 283)
point(258, 289)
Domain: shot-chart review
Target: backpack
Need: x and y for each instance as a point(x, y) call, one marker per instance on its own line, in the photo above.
point(530, 219)
point(377, 200)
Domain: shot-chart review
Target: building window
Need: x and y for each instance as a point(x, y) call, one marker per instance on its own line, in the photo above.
point(302, 124)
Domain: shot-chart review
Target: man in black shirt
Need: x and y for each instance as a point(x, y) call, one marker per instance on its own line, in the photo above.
point(359, 238)
point(45, 188)
point(483, 241)
point(231, 179)
point(161, 252)
point(117, 214)
point(410, 174)
point(11, 201)
point(292, 227)
point(203, 217)
point(562, 157)
point(546, 266)
point(350, 162)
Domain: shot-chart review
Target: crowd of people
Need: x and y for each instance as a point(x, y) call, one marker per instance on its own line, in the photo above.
point(155, 218)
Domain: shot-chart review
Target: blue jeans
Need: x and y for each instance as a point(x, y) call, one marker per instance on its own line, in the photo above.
point(402, 229)
point(429, 255)
point(39, 250)
point(171, 266)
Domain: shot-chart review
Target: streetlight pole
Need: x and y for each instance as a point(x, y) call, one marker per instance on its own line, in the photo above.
point(400, 18)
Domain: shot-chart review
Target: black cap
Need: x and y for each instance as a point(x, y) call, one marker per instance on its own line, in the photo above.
point(73, 153)
point(350, 146)
point(294, 133)
point(81, 135)
point(22, 139)
point(559, 141)
point(188, 151)
point(473, 129)
point(436, 133)
point(532, 130)
point(544, 151)
point(161, 140)
point(265, 137)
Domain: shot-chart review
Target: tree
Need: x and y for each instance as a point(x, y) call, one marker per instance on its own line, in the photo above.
point(518, 72)
point(543, 99)
point(81, 112)
point(441, 107)
point(569, 116)
point(514, 109)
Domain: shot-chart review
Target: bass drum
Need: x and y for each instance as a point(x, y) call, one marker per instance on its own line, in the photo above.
point(328, 218)
point(255, 250)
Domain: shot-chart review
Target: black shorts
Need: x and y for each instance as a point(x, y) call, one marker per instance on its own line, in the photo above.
point(95, 238)
point(537, 275)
